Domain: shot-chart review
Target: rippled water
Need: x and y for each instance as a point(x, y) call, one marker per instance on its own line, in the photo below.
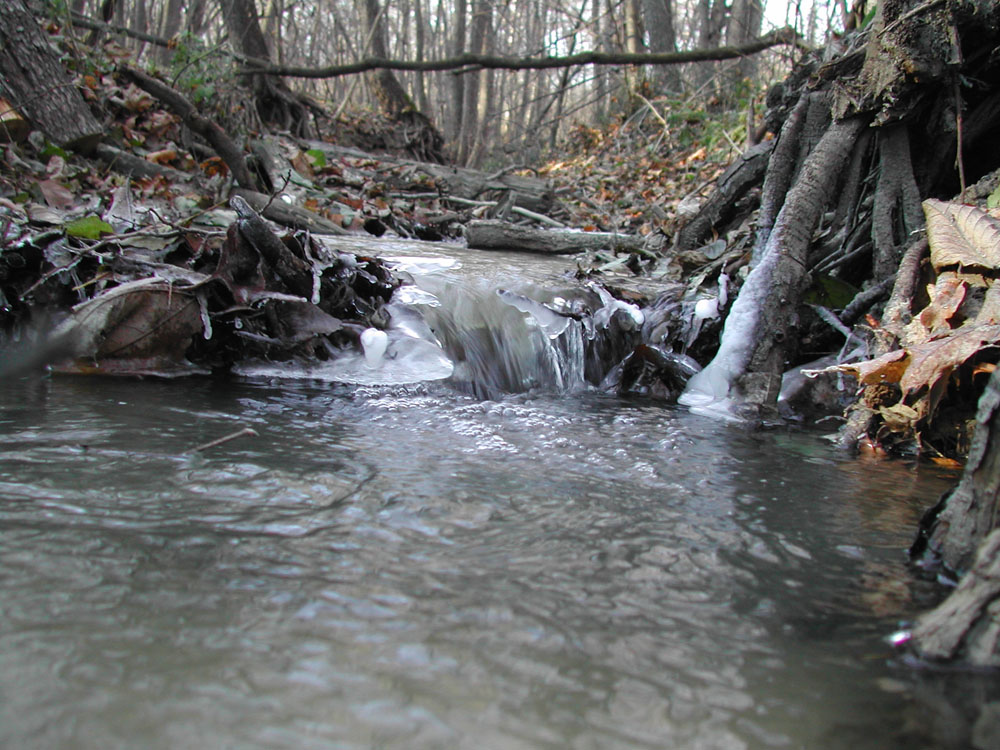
point(413, 567)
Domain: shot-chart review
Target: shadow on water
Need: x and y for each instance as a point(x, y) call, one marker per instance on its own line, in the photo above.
point(420, 567)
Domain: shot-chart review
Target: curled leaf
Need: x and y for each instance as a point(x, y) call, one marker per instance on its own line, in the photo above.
point(936, 358)
point(961, 235)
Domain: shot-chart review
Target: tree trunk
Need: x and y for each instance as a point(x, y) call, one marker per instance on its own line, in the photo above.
point(745, 17)
point(659, 21)
point(36, 84)
point(711, 15)
point(392, 97)
point(276, 104)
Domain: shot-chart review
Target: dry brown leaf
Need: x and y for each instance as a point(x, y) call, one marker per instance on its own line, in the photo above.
point(888, 368)
point(56, 195)
point(961, 235)
point(899, 417)
point(937, 357)
point(163, 156)
point(136, 327)
point(946, 296)
point(989, 313)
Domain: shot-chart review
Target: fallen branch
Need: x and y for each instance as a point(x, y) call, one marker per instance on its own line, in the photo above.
point(786, 35)
point(210, 131)
point(500, 235)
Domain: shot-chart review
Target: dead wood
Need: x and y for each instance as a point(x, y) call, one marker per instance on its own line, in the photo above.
point(295, 272)
point(224, 146)
point(501, 235)
point(287, 215)
point(530, 193)
point(745, 174)
point(783, 36)
point(135, 166)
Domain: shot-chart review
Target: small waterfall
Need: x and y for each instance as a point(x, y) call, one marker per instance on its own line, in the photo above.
point(503, 340)
point(488, 329)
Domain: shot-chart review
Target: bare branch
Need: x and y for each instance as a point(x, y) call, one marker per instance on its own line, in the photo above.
point(781, 36)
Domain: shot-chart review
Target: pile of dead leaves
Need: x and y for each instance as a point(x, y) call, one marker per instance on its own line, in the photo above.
point(923, 392)
point(637, 176)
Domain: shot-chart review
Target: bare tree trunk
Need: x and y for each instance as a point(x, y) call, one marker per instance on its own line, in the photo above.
point(392, 98)
point(659, 20)
point(170, 24)
point(482, 17)
point(711, 23)
point(36, 84)
point(458, 81)
point(276, 104)
point(745, 17)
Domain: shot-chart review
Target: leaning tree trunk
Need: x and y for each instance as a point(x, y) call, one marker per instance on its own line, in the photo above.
point(421, 139)
point(276, 104)
point(36, 84)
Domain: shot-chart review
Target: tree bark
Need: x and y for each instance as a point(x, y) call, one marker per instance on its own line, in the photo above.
point(659, 21)
point(275, 102)
point(762, 327)
point(774, 39)
point(972, 510)
point(36, 84)
point(500, 235)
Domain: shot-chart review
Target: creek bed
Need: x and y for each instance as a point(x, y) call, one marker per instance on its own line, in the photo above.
point(412, 566)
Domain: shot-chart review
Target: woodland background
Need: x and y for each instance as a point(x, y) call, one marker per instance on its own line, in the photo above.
point(486, 116)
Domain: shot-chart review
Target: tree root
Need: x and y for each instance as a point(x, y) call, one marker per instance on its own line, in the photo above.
point(762, 328)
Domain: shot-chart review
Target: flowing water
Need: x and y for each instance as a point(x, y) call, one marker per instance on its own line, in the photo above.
point(434, 565)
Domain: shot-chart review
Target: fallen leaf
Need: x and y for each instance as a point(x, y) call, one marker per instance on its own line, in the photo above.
point(56, 195)
point(888, 368)
point(88, 228)
point(142, 326)
point(936, 357)
point(961, 235)
point(163, 156)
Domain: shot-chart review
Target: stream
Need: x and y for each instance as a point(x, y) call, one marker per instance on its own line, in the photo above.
point(498, 556)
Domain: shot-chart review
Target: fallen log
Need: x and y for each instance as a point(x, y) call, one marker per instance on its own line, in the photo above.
point(491, 234)
point(530, 193)
point(282, 213)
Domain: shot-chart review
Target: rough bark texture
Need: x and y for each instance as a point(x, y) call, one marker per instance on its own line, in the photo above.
point(739, 179)
point(966, 625)
point(780, 174)
point(784, 262)
point(276, 104)
point(35, 83)
point(970, 512)
point(500, 235)
point(897, 215)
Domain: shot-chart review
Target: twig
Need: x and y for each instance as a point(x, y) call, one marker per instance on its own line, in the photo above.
point(958, 148)
point(245, 432)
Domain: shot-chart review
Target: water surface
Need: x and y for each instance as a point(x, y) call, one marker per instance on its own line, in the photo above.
point(417, 567)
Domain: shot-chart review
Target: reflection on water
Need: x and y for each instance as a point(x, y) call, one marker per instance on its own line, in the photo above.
point(415, 568)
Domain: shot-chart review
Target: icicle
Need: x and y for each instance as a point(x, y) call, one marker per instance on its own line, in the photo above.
point(374, 343)
point(206, 320)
